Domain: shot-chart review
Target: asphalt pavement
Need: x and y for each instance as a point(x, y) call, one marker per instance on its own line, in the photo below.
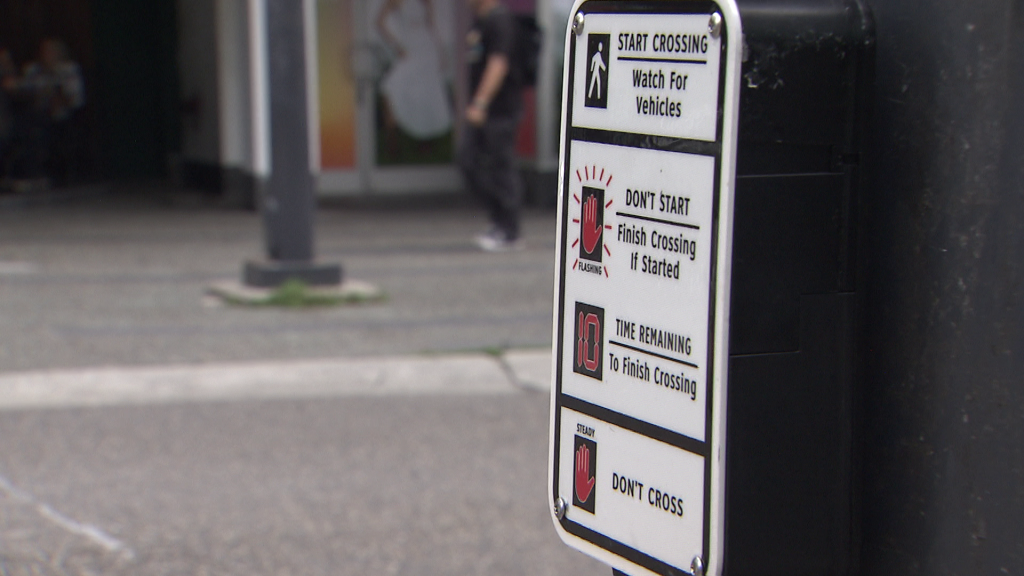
point(147, 428)
point(122, 281)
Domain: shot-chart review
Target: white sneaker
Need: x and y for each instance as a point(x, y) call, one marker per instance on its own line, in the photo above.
point(497, 242)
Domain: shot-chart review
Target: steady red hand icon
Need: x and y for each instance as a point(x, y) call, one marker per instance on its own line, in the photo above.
point(584, 481)
point(592, 230)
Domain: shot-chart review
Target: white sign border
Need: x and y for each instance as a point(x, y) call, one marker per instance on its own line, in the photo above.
point(715, 505)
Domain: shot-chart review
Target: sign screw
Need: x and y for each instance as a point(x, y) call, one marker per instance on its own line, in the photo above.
point(715, 25)
point(560, 507)
point(697, 566)
point(577, 23)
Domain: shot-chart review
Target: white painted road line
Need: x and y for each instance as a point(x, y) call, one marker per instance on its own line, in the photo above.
point(348, 377)
point(91, 533)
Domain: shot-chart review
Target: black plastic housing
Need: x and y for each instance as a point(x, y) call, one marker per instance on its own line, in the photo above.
point(792, 456)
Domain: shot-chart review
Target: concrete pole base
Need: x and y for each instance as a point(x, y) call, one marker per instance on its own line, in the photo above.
point(271, 274)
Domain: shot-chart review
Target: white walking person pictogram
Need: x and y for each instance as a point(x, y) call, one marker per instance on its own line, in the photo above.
point(596, 66)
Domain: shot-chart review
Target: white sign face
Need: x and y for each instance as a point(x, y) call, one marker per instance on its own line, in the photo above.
point(648, 75)
point(642, 293)
point(640, 488)
point(653, 261)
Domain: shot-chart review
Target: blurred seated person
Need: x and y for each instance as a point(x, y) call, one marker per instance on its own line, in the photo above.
point(53, 91)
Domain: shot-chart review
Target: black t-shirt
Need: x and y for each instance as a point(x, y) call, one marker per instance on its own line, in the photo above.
point(495, 33)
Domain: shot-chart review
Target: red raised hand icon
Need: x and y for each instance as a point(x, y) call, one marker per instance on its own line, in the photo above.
point(584, 481)
point(592, 229)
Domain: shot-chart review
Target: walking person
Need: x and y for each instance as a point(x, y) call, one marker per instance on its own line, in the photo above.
point(487, 152)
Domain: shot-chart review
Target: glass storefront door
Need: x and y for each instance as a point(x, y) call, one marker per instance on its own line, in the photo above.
point(388, 80)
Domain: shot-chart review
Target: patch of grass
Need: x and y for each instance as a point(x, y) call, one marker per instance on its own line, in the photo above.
point(295, 294)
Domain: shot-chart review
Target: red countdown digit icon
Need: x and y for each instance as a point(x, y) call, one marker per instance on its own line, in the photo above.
point(589, 336)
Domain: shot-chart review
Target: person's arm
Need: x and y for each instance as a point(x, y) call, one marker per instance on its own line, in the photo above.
point(435, 35)
point(382, 26)
point(8, 71)
point(494, 75)
point(502, 37)
point(72, 92)
point(28, 85)
point(9, 82)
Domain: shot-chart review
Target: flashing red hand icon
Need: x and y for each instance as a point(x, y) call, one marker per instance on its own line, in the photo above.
point(584, 481)
point(592, 230)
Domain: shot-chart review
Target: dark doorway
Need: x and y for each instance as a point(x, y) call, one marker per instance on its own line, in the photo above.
point(127, 51)
point(137, 86)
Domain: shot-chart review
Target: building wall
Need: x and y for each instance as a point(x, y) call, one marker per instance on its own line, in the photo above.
point(234, 89)
point(218, 97)
point(200, 80)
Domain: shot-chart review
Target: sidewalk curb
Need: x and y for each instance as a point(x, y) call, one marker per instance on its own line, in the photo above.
point(455, 374)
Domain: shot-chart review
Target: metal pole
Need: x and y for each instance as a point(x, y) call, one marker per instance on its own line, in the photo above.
point(288, 200)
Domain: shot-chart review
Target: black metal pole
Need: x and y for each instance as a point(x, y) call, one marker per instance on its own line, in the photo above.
point(288, 200)
point(944, 441)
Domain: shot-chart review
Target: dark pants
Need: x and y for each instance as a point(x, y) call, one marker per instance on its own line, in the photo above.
point(62, 160)
point(487, 157)
point(30, 144)
point(6, 133)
